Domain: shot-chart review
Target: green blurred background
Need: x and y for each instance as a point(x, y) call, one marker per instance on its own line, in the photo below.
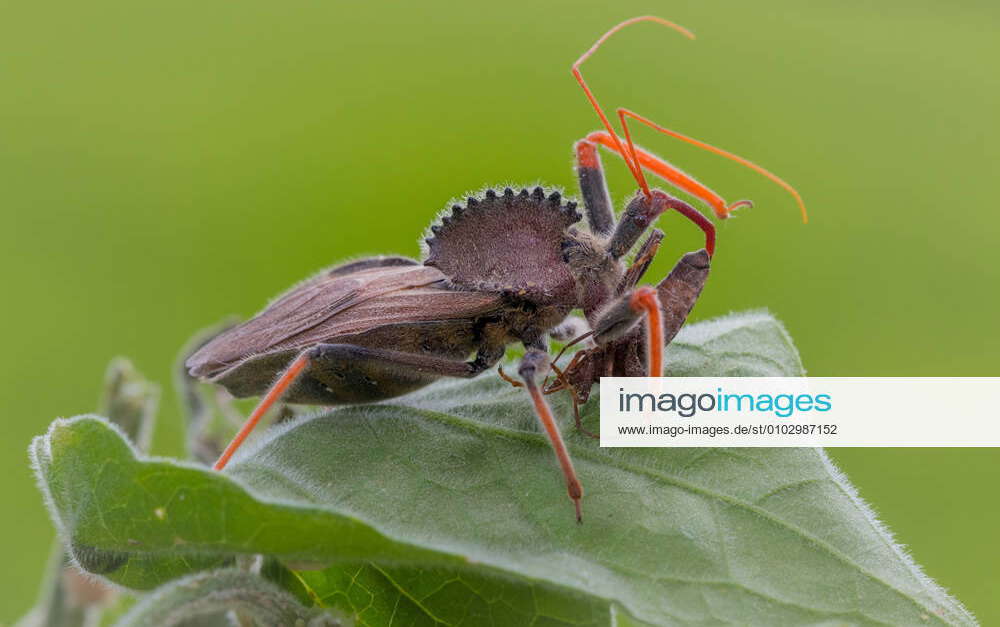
point(165, 164)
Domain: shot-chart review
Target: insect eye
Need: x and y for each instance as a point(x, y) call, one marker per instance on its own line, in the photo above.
point(568, 247)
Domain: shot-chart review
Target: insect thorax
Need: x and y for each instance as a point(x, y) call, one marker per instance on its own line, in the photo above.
point(510, 243)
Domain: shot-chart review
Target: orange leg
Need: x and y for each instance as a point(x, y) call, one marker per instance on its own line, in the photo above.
point(273, 395)
point(534, 363)
point(561, 383)
point(624, 113)
point(347, 354)
point(645, 299)
point(673, 175)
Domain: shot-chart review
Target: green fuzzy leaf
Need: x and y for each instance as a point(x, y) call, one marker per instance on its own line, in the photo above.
point(457, 479)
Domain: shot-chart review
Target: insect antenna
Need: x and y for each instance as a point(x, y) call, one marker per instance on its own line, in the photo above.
point(636, 159)
point(628, 157)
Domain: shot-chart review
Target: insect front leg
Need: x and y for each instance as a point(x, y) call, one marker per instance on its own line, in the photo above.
point(621, 316)
point(534, 366)
point(642, 211)
point(680, 290)
point(594, 188)
point(349, 368)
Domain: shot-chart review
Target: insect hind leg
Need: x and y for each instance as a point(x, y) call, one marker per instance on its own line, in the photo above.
point(358, 374)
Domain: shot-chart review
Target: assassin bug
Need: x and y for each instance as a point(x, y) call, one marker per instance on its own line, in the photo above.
point(505, 267)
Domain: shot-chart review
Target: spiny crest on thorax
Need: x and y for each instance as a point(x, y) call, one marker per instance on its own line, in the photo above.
point(509, 243)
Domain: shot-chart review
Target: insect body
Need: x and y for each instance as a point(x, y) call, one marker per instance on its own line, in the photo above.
point(504, 267)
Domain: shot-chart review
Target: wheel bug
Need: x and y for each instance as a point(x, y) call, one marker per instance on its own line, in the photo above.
point(502, 268)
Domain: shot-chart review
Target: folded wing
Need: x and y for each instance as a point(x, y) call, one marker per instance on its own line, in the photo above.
point(335, 304)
